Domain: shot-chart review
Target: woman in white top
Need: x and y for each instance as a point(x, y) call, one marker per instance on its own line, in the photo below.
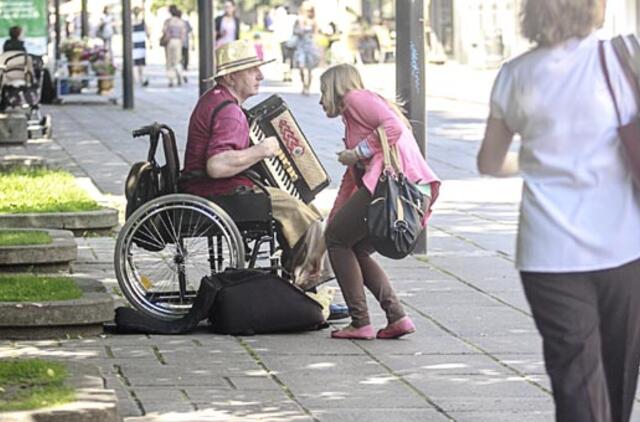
point(578, 244)
point(105, 30)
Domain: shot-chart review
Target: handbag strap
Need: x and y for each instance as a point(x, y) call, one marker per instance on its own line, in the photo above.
point(390, 156)
point(628, 61)
point(603, 64)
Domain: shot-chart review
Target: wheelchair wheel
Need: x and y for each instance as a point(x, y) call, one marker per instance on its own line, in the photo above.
point(165, 248)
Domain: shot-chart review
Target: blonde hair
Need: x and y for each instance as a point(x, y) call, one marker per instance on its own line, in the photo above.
point(549, 22)
point(337, 81)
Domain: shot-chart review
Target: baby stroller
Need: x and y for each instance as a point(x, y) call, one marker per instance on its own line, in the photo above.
point(21, 77)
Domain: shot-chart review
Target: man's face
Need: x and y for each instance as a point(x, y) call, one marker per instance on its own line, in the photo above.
point(246, 83)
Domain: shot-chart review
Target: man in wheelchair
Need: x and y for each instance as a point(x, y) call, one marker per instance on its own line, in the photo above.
point(218, 145)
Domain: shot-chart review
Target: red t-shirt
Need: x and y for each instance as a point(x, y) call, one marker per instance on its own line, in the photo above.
point(230, 131)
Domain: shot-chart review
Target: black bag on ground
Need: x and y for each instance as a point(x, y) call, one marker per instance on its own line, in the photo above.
point(129, 320)
point(258, 302)
point(239, 302)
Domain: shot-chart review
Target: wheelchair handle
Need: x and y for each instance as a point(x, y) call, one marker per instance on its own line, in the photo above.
point(147, 130)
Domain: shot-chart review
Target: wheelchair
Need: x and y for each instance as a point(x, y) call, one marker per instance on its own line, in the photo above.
point(172, 241)
point(21, 77)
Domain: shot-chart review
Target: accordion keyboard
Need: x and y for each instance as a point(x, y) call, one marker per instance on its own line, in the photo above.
point(296, 169)
point(278, 166)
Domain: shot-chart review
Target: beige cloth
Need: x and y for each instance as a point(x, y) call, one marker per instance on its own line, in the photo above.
point(294, 216)
point(173, 53)
point(299, 220)
point(315, 269)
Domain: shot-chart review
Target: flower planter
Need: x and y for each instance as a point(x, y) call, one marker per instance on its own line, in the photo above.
point(105, 86)
point(51, 257)
point(83, 317)
point(101, 221)
point(93, 401)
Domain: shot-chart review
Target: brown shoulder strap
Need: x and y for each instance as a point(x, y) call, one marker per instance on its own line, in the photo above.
point(625, 57)
point(603, 64)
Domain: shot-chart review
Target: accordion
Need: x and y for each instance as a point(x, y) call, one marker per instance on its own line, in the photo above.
point(296, 169)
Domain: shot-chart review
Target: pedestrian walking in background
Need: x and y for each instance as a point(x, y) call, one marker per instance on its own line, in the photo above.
point(306, 56)
point(139, 38)
point(227, 25)
point(106, 30)
point(578, 235)
point(283, 23)
point(14, 42)
point(185, 46)
point(362, 112)
point(174, 33)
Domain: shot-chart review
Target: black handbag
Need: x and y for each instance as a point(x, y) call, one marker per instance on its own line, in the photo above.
point(397, 209)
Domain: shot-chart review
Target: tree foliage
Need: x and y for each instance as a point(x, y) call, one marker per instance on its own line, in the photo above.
point(192, 5)
point(187, 6)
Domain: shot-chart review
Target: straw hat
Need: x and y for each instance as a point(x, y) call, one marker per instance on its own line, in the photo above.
point(235, 56)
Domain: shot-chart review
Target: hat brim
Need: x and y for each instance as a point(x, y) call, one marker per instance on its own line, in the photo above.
point(237, 67)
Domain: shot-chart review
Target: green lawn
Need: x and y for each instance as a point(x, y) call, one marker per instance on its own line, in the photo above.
point(22, 237)
point(30, 288)
point(32, 383)
point(41, 190)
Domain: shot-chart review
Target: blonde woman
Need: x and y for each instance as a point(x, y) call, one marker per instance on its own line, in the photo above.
point(362, 111)
point(578, 242)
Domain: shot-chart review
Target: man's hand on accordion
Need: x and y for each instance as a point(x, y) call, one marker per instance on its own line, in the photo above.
point(269, 146)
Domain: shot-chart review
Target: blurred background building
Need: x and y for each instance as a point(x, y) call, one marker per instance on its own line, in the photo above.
point(481, 33)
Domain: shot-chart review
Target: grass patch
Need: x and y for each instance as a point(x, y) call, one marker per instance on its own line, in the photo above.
point(24, 237)
point(41, 191)
point(31, 288)
point(33, 383)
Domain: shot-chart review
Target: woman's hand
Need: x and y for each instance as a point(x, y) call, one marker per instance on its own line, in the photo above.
point(348, 157)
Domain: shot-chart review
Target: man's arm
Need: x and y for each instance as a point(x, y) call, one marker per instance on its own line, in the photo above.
point(232, 162)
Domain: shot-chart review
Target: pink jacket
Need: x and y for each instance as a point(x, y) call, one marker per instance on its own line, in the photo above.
point(363, 112)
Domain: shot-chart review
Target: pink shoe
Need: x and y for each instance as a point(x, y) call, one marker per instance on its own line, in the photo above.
point(366, 332)
point(398, 329)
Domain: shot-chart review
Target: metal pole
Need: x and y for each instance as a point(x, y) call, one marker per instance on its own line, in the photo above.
point(205, 44)
point(410, 68)
point(127, 59)
point(57, 29)
point(84, 19)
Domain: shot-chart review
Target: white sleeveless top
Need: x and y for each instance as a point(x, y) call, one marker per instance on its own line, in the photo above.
point(579, 211)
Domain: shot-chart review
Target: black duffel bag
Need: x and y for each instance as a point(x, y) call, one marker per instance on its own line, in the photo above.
point(258, 302)
point(239, 302)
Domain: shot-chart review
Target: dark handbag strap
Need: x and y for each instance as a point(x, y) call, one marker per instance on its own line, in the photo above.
point(625, 57)
point(605, 70)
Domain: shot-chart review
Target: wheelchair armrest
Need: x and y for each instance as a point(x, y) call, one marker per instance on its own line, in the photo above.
point(255, 178)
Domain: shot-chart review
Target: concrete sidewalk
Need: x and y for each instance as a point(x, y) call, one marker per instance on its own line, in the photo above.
point(475, 357)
